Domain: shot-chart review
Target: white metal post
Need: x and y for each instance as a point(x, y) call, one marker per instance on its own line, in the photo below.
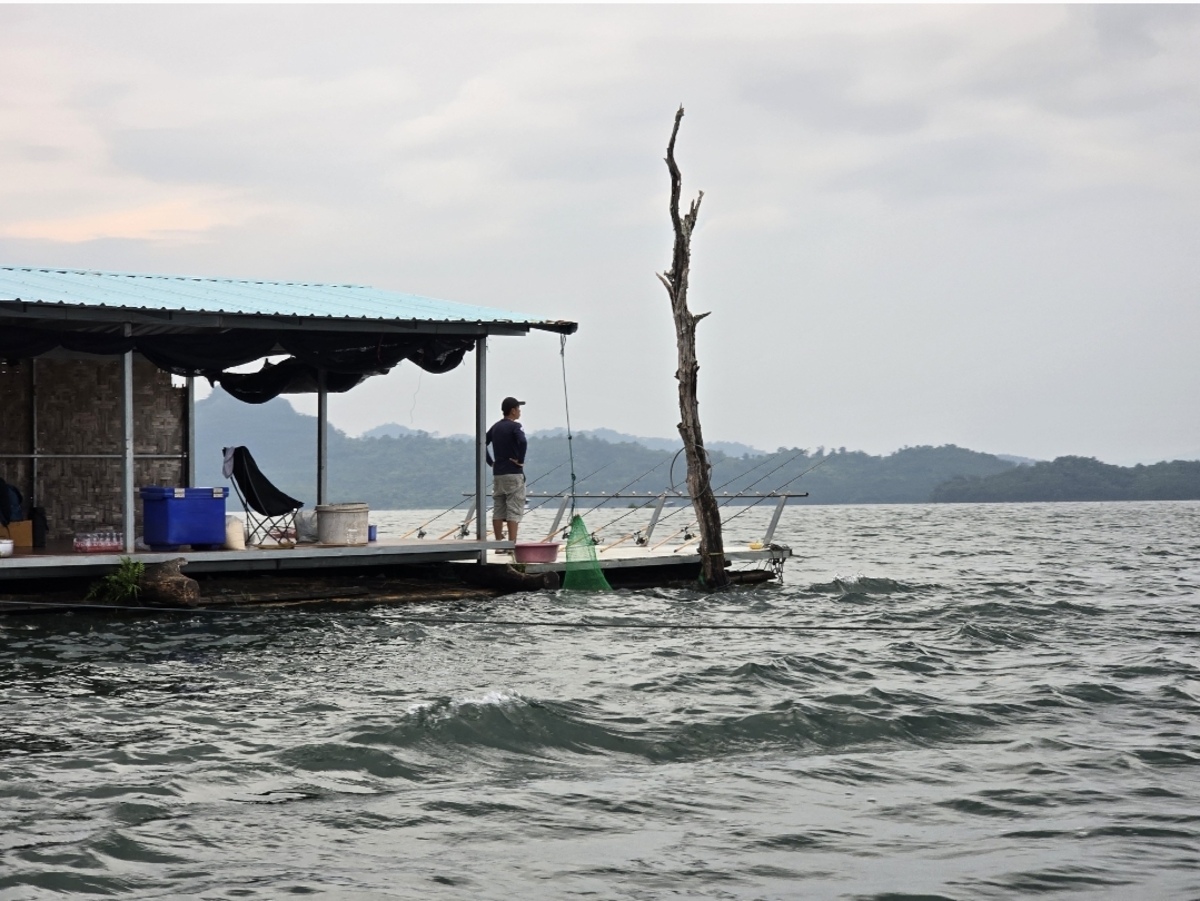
point(558, 517)
point(783, 499)
point(658, 508)
point(481, 441)
point(322, 437)
point(127, 502)
point(190, 438)
point(34, 493)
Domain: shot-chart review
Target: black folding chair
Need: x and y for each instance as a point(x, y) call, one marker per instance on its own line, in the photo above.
point(270, 514)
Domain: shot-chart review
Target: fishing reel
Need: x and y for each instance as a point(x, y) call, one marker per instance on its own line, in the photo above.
point(688, 535)
point(640, 539)
point(421, 533)
point(464, 531)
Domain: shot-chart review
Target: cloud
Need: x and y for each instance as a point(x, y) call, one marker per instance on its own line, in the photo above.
point(178, 220)
point(916, 218)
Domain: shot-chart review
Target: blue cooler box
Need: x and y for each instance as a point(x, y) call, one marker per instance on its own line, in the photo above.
point(175, 516)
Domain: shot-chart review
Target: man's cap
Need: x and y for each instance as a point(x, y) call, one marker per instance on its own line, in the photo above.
point(508, 403)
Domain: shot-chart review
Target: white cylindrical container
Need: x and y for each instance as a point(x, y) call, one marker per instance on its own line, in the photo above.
point(342, 524)
point(6, 547)
point(235, 533)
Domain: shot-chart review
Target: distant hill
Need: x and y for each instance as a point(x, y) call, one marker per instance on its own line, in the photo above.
point(1020, 461)
point(1078, 479)
point(728, 448)
point(395, 430)
point(404, 468)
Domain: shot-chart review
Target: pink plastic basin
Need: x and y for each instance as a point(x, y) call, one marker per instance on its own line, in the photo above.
point(536, 551)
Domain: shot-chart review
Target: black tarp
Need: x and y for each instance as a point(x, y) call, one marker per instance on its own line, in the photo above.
point(346, 358)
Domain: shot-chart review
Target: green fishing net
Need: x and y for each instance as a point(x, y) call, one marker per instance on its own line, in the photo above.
point(583, 572)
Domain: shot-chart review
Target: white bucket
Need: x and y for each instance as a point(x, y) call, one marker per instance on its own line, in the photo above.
point(342, 524)
point(6, 547)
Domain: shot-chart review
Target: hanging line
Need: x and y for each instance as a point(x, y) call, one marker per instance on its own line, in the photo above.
point(252, 608)
point(419, 531)
point(744, 488)
point(584, 479)
point(780, 488)
point(562, 352)
point(774, 493)
point(649, 501)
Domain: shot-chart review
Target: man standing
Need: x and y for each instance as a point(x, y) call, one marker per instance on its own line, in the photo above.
point(507, 440)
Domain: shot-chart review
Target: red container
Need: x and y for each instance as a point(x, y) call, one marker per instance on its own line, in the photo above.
point(536, 551)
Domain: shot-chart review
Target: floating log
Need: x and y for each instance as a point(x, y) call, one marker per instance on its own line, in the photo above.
point(164, 584)
point(505, 577)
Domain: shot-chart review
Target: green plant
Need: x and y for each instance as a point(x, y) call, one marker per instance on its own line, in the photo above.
point(121, 586)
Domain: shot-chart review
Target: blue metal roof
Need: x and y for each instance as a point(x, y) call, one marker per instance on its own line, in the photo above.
point(236, 297)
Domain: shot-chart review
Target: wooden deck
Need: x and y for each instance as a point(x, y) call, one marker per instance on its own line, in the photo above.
point(58, 560)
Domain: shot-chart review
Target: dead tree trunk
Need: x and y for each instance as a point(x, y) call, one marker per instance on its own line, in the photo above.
point(708, 516)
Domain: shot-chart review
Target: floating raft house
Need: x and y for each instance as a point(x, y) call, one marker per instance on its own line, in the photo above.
point(91, 412)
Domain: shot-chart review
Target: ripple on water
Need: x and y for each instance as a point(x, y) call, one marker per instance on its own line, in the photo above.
point(1041, 739)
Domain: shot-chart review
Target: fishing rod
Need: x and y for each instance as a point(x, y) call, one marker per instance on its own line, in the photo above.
point(625, 538)
point(633, 481)
point(774, 493)
point(777, 490)
point(799, 453)
point(570, 495)
point(464, 528)
point(613, 494)
point(568, 488)
point(420, 530)
point(674, 492)
point(767, 458)
point(751, 485)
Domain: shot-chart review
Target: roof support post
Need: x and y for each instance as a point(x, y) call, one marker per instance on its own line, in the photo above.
point(481, 441)
point(34, 492)
point(322, 437)
point(127, 512)
point(189, 438)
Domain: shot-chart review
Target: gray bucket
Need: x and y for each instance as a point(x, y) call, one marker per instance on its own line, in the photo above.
point(342, 524)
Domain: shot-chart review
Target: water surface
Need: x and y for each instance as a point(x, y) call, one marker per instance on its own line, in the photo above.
point(1025, 721)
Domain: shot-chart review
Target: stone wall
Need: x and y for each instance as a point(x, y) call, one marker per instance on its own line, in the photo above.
point(78, 412)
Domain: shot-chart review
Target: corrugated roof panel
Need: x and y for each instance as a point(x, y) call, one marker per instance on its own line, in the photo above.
point(115, 290)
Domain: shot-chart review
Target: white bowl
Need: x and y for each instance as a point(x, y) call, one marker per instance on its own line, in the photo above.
point(6, 547)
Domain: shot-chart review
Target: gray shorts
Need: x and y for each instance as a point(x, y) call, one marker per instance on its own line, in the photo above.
point(508, 497)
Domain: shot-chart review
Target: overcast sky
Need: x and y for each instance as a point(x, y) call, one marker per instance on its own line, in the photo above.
point(975, 225)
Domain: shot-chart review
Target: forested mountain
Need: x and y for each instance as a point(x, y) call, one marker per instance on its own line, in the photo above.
point(414, 469)
point(1079, 479)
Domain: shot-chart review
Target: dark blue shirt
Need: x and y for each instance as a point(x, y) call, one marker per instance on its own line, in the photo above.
point(507, 439)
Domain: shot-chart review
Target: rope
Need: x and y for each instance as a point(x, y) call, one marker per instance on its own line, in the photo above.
point(462, 621)
point(696, 627)
point(562, 352)
point(780, 488)
point(721, 503)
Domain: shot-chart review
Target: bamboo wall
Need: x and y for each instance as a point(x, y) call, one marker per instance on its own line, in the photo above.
point(77, 409)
